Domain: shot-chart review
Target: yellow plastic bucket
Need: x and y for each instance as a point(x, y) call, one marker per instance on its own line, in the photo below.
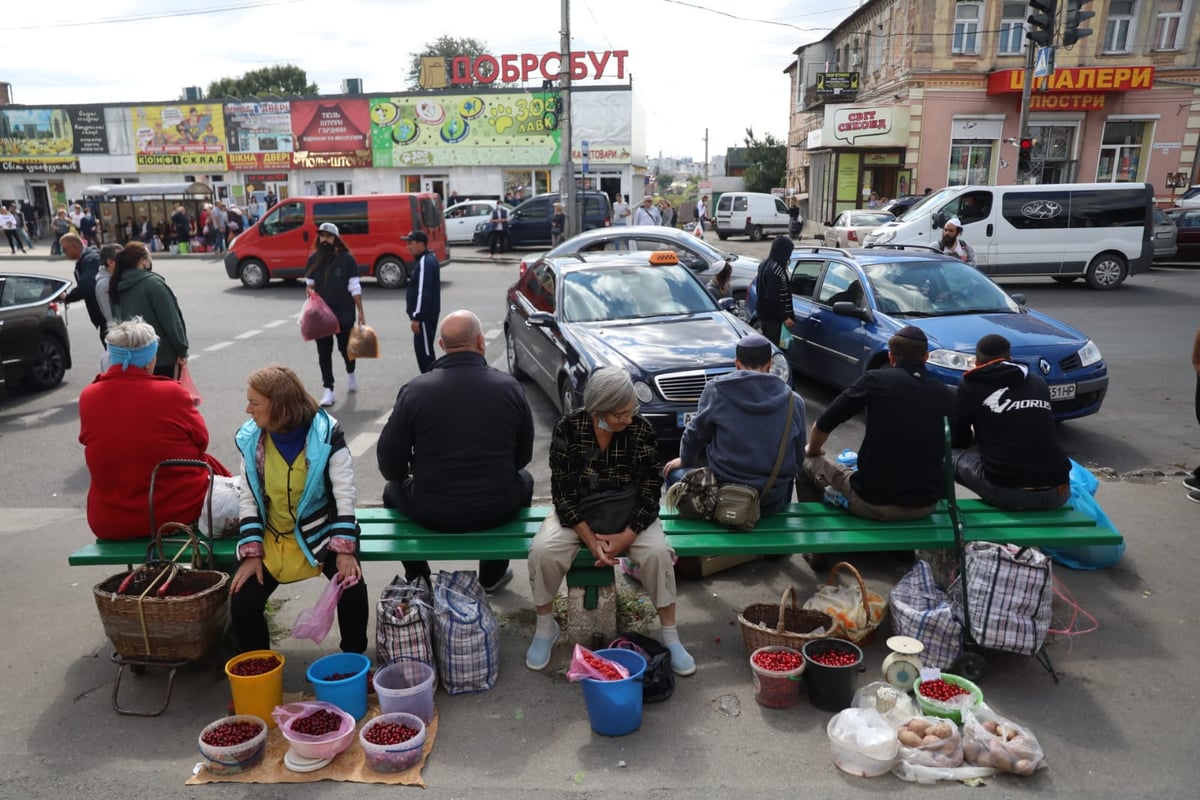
point(256, 695)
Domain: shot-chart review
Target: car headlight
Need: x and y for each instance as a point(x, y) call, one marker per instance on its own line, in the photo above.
point(1089, 354)
point(779, 367)
point(881, 237)
point(642, 391)
point(952, 359)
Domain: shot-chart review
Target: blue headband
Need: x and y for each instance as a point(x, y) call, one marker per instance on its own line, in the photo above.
point(140, 357)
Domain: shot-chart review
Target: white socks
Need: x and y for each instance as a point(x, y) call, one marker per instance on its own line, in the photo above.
point(546, 628)
point(670, 635)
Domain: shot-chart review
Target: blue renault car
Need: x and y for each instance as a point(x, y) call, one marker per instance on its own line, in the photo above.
point(847, 307)
point(643, 312)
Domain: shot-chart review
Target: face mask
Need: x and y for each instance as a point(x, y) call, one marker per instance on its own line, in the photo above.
point(602, 425)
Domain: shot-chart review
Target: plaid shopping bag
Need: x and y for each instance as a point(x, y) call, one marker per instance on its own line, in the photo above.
point(921, 610)
point(1010, 596)
point(404, 623)
point(466, 633)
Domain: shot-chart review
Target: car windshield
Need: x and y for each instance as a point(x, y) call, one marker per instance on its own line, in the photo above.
point(935, 289)
point(632, 292)
point(935, 197)
point(871, 218)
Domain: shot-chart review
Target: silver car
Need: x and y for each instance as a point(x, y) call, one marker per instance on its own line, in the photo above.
point(1166, 236)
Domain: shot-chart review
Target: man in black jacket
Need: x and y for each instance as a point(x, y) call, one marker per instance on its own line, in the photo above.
point(1004, 410)
point(424, 298)
point(774, 292)
point(87, 265)
point(901, 460)
point(455, 447)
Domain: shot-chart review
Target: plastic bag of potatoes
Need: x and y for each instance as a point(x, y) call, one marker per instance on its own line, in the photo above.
point(990, 740)
point(930, 742)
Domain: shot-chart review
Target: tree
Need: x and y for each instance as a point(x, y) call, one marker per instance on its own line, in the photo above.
point(448, 47)
point(766, 162)
point(664, 181)
point(281, 79)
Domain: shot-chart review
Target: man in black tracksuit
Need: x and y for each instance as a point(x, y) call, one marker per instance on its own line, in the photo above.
point(455, 448)
point(774, 292)
point(901, 460)
point(424, 298)
point(1004, 410)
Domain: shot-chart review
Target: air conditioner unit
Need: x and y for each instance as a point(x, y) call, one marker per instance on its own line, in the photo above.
point(193, 93)
point(352, 86)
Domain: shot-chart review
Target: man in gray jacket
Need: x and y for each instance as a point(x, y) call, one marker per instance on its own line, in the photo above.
point(739, 424)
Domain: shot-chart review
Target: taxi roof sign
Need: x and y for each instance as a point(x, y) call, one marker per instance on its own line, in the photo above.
point(663, 257)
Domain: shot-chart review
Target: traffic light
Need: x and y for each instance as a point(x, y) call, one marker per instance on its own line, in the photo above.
point(1072, 33)
point(1041, 26)
point(1025, 157)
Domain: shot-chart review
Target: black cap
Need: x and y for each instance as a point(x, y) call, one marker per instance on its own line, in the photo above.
point(991, 347)
point(753, 350)
point(417, 236)
point(914, 333)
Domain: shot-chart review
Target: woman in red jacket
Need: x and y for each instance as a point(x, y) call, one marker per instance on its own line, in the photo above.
point(129, 421)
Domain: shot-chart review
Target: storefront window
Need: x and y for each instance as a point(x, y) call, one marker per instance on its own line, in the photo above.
point(1053, 153)
point(970, 162)
point(521, 184)
point(1121, 151)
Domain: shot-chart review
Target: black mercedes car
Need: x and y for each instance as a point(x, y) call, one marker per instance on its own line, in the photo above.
point(643, 312)
point(34, 344)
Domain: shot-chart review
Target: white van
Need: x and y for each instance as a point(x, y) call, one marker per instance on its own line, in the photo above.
point(1103, 232)
point(753, 214)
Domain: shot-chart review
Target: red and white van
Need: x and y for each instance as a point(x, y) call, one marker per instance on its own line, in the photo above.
point(373, 227)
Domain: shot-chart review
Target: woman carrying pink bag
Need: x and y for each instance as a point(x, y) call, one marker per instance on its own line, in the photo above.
point(331, 278)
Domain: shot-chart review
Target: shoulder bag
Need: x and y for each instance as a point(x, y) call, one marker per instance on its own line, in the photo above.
point(738, 505)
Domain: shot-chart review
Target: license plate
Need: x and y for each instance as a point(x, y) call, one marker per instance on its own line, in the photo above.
point(1062, 391)
point(682, 418)
point(1164, 235)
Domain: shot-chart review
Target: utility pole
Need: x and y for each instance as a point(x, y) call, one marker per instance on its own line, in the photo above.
point(706, 154)
point(564, 125)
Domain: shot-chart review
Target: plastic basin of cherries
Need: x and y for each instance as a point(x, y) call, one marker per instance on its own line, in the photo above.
point(835, 658)
point(254, 666)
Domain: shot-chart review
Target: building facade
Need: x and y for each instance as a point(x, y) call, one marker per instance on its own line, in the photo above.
point(905, 95)
point(470, 142)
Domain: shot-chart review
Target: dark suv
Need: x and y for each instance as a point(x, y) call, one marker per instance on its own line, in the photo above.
point(529, 222)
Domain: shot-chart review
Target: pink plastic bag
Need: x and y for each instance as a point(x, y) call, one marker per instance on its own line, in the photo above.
point(317, 319)
point(586, 664)
point(314, 623)
point(185, 380)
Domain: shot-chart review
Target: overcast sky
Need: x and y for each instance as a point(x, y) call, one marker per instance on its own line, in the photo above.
point(715, 64)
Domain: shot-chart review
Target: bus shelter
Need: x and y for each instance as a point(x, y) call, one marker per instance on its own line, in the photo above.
point(121, 207)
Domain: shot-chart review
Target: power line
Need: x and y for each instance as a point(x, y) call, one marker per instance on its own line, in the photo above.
point(163, 15)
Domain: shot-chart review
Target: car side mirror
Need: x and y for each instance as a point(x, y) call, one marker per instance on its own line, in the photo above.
point(820, 237)
point(1018, 298)
point(541, 319)
point(827, 224)
point(727, 304)
point(939, 220)
point(844, 308)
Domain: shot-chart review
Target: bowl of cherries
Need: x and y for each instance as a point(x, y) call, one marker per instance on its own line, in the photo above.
point(947, 696)
point(393, 742)
point(232, 744)
point(315, 729)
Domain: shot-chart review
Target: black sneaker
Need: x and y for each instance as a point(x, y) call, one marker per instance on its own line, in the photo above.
point(503, 580)
point(1194, 497)
point(1191, 482)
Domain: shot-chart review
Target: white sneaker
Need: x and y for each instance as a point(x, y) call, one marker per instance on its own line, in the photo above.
point(328, 398)
point(352, 382)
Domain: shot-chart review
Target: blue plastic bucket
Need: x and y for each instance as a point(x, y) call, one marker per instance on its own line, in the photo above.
point(615, 707)
point(348, 694)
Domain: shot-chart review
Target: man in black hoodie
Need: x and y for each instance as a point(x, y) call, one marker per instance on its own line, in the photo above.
point(1004, 410)
point(774, 292)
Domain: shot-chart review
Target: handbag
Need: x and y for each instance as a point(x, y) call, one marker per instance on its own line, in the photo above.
point(694, 495)
point(609, 511)
point(737, 505)
point(363, 343)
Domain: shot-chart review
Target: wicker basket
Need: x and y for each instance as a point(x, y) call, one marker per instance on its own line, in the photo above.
point(858, 636)
point(180, 627)
point(786, 624)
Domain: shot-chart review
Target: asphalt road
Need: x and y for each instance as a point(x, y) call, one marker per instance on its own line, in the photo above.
point(1144, 330)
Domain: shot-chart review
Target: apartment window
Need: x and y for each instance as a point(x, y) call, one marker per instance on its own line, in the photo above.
point(966, 28)
point(1121, 151)
point(877, 48)
point(1167, 19)
point(970, 162)
point(1012, 29)
point(1118, 28)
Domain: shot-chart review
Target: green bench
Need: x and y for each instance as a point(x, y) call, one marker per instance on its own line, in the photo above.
point(388, 535)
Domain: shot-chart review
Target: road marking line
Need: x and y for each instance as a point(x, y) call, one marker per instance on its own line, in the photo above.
point(492, 334)
point(361, 443)
point(383, 420)
point(218, 346)
point(247, 334)
point(275, 323)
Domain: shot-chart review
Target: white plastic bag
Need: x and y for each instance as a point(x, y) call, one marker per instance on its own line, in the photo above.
point(914, 773)
point(894, 705)
point(226, 491)
point(990, 740)
point(930, 742)
point(862, 742)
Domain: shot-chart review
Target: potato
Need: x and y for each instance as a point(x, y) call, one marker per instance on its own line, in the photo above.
point(970, 751)
point(909, 739)
point(918, 726)
point(942, 730)
point(930, 740)
point(1023, 766)
point(990, 727)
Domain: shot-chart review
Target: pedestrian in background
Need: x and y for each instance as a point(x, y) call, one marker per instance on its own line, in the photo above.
point(87, 265)
point(621, 210)
point(8, 223)
point(647, 213)
point(424, 298)
point(498, 233)
point(558, 223)
point(332, 273)
point(794, 218)
point(667, 213)
point(137, 291)
point(774, 293)
point(60, 226)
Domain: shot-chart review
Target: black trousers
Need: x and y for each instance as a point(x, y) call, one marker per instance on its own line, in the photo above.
point(423, 347)
point(1196, 471)
point(250, 626)
point(399, 495)
point(14, 241)
point(497, 238)
point(771, 329)
point(325, 355)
